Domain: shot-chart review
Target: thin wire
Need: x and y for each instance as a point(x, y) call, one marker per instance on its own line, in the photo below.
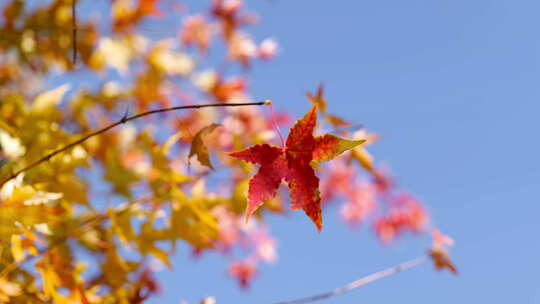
point(360, 282)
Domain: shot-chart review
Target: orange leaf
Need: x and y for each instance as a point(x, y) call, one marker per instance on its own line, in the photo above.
point(318, 99)
point(441, 259)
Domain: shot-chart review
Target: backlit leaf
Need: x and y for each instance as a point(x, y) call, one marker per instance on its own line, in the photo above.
point(292, 163)
point(16, 248)
point(199, 148)
point(50, 99)
point(329, 146)
point(318, 99)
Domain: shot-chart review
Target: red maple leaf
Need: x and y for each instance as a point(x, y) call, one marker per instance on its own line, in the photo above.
point(292, 163)
point(243, 271)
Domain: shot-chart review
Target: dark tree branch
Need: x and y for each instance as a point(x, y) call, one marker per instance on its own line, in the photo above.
point(119, 122)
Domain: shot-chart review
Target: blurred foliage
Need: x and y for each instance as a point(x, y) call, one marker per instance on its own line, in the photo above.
point(126, 198)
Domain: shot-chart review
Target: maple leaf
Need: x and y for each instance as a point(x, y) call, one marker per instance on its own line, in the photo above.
point(440, 240)
point(196, 31)
point(441, 259)
point(8, 289)
point(149, 7)
point(268, 48)
point(292, 163)
point(406, 215)
point(438, 252)
point(318, 99)
point(199, 148)
point(243, 271)
point(362, 202)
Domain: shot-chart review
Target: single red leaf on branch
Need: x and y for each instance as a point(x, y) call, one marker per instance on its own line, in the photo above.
point(292, 163)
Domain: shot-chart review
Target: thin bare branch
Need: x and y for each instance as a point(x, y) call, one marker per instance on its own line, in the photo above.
point(74, 29)
point(360, 282)
point(119, 122)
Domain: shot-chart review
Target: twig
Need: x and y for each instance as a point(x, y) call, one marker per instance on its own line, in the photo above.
point(119, 122)
point(360, 282)
point(74, 29)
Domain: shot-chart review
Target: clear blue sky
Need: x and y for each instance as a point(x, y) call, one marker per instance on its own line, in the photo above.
point(453, 88)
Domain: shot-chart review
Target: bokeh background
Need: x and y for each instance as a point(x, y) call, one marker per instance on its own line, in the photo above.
point(453, 88)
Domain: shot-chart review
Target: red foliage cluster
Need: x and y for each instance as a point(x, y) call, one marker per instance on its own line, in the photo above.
point(406, 214)
point(252, 237)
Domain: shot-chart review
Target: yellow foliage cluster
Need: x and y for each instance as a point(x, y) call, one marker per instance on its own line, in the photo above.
point(127, 187)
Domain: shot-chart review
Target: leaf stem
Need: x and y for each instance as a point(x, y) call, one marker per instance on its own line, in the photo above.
point(269, 102)
point(360, 282)
point(119, 122)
